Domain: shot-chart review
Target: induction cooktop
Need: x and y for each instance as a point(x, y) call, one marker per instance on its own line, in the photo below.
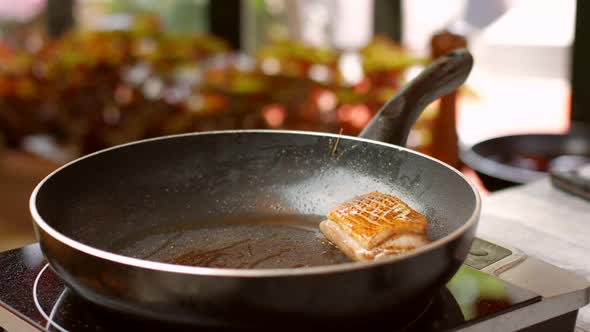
point(477, 298)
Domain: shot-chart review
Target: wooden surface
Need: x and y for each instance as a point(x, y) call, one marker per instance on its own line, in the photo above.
point(19, 174)
point(545, 223)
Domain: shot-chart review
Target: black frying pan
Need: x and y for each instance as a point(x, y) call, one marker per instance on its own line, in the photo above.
point(233, 200)
point(505, 161)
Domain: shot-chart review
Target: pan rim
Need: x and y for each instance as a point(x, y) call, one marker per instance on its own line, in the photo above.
point(256, 273)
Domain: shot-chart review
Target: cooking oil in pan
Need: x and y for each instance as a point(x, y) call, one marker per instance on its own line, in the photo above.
point(245, 242)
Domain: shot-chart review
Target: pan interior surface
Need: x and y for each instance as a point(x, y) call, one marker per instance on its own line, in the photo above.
point(244, 242)
point(248, 199)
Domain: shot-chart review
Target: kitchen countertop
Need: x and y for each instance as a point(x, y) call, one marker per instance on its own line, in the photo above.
point(19, 174)
point(545, 223)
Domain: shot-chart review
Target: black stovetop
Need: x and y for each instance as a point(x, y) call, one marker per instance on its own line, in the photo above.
point(33, 292)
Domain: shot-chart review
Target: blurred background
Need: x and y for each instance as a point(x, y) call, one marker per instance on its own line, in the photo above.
point(77, 76)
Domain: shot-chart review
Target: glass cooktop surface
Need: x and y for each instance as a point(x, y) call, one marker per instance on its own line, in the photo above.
point(31, 291)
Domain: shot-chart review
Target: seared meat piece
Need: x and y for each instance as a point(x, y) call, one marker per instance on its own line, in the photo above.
point(375, 225)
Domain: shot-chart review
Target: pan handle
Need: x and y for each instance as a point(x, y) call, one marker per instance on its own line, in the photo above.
point(394, 120)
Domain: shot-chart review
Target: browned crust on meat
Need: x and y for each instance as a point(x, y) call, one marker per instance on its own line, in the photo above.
point(375, 217)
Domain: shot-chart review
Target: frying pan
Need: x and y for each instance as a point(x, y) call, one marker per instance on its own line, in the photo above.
point(505, 161)
point(125, 226)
